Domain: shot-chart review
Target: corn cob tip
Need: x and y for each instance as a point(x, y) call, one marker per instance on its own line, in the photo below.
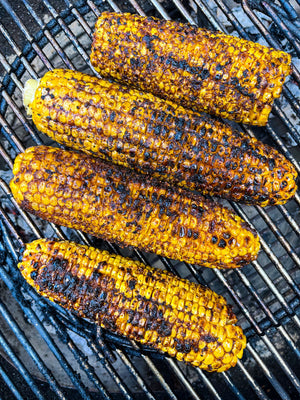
point(29, 93)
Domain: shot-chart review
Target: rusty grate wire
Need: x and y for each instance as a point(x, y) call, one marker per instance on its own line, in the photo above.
point(86, 362)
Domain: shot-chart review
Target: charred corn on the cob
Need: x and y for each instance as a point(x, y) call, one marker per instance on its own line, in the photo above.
point(154, 307)
point(207, 71)
point(151, 135)
point(82, 192)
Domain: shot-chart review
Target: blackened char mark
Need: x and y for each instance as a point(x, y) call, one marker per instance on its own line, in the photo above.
point(208, 338)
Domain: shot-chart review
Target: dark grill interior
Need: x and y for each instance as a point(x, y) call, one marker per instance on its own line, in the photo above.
point(46, 352)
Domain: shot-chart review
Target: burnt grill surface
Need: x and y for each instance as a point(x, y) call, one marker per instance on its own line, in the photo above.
point(46, 352)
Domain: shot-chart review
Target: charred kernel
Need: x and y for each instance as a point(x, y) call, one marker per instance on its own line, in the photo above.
point(132, 284)
point(204, 74)
point(283, 184)
point(34, 275)
point(214, 239)
point(222, 244)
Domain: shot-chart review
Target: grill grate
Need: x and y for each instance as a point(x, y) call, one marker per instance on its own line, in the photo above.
point(52, 349)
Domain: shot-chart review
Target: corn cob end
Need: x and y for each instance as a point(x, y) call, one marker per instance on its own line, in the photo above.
point(29, 93)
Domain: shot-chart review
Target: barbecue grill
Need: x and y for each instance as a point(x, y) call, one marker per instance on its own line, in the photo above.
point(46, 352)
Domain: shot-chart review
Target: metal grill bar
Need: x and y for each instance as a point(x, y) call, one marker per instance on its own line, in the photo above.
point(285, 367)
point(283, 117)
point(257, 389)
point(270, 253)
point(211, 18)
point(232, 387)
point(282, 393)
point(70, 35)
point(160, 9)
point(17, 51)
point(181, 376)
point(114, 6)
point(22, 338)
point(30, 39)
point(136, 374)
point(10, 384)
point(289, 10)
point(20, 366)
point(156, 371)
point(48, 35)
point(274, 319)
point(45, 335)
point(184, 12)
point(209, 385)
point(113, 373)
point(79, 356)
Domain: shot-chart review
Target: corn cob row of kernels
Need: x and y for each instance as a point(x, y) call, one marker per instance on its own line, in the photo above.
point(81, 192)
point(207, 71)
point(151, 135)
point(183, 319)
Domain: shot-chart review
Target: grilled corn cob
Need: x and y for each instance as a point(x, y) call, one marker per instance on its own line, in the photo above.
point(207, 71)
point(154, 307)
point(82, 192)
point(151, 135)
